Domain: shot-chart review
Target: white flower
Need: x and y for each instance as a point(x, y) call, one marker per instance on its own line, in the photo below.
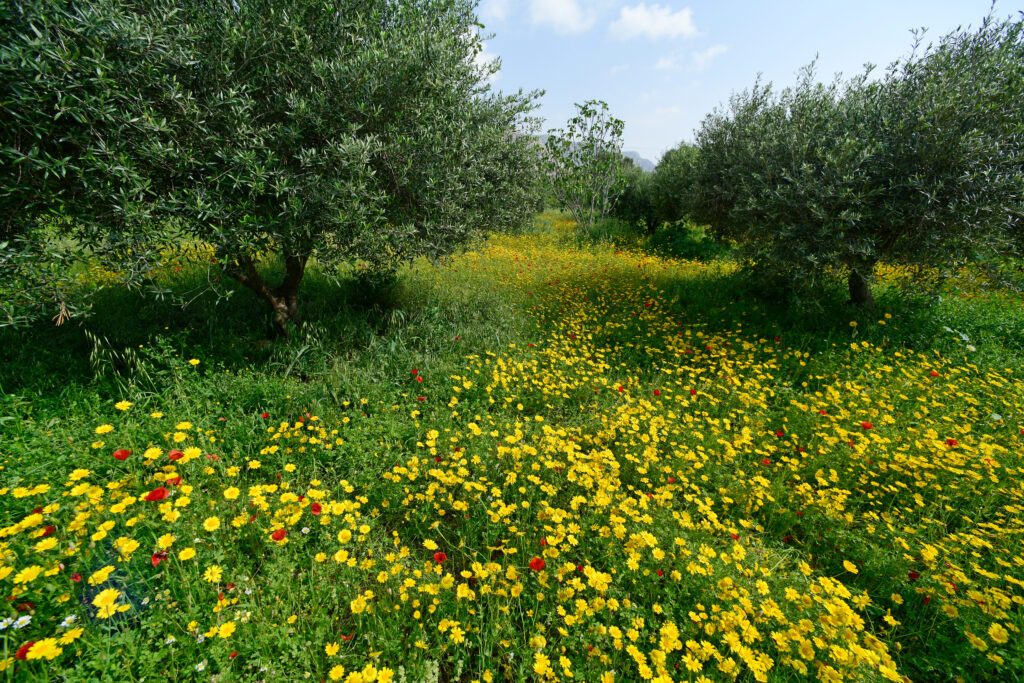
point(23, 621)
point(201, 665)
point(201, 638)
point(69, 620)
point(5, 623)
point(305, 529)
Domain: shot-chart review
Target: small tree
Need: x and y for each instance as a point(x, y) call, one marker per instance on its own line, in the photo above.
point(635, 203)
point(586, 162)
point(924, 166)
point(281, 130)
point(671, 184)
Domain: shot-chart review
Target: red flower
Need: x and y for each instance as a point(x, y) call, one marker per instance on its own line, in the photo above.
point(671, 480)
point(766, 461)
point(158, 558)
point(76, 577)
point(421, 399)
point(822, 412)
point(419, 378)
point(537, 564)
point(347, 638)
point(734, 537)
point(157, 494)
point(866, 425)
point(22, 652)
point(579, 567)
point(265, 415)
point(122, 454)
point(175, 454)
point(440, 557)
point(279, 534)
point(316, 508)
point(913, 575)
point(415, 371)
point(657, 392)
point(934, 373)
point(543, 542)
point(438, 458)
point(621, 388)
point(779, 433)
point(693, 392)
point(233, 654)
point(927, 599)
point(952, 443)
point(174, 481)
point(50, 530)
point(660, 572)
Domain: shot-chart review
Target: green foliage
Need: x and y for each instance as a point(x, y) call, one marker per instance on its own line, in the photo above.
point(672, 184)
point(923, 166)
point(586, 163)
point(635, 205)
point(282, 129)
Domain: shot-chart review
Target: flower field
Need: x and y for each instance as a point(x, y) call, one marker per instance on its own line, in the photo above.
point(625, 490)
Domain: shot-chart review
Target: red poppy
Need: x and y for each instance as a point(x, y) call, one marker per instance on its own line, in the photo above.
point(316, 508)
point(438, 458)
point(157, 494)
point(693, 392)
point(22, 652)
point(537, 564)
point(419, 378)
point(76, 577)
point(657, 392)
point(440, 557)
point(175, 454)
point(866, 425)
point(415, 371)
point(927, 599)
point(621, 388)
point(822, 412)
point(766, 461)
point(421, 399)
point(49, 531)
point(660, 572)
point(934, 373)
point(174, 481)
point(279, 534)
point(543, 542)
point(913, 575)
point(579, 567)
point(734, 537)
point(122, 454)
point(779, 433)
point(26, 606)
point(233, 654)
point(671, 480)
point(158, 558)
point(347, 638)
point(265, 415)
point(952, 443)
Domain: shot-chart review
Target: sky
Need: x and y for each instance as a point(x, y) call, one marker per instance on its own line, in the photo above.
point(662, 66)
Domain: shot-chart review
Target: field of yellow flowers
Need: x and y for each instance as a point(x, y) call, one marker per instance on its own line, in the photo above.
point(621, 491)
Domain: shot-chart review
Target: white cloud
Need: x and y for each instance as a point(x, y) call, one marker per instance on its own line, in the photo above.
point(703, 59)
point(565, 16)
point(668, 63)
point(654, 21)
point(495, 10)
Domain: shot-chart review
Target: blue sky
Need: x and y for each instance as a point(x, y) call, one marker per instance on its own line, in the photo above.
point(663, 65)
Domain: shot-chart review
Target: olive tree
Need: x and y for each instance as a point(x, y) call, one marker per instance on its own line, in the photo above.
point(924, 165)
point(357, 131)
point(586, 162)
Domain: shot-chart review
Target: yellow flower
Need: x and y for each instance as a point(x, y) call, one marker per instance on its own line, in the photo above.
point(71, 636)
point(226, 629)
point(29, 574)
point(46, 648)
point(106, 601)
point(211, 523)
point(104, 429)
point(165, 541)
point(331, 649)
point(231, 493)
point(156, 415)
point(541, 664)
point(100, 575)
point(213, 574)
point(186, 554)
point(123, 405)
point(337, 672)
point(193, 362)
point(385, 675)
point(998, 634)
point(850, 567)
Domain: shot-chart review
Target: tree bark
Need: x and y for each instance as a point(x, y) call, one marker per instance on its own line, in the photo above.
point(283, 299)
point(860, 288)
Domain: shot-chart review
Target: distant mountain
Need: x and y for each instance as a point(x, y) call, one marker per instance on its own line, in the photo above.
point(645, 164)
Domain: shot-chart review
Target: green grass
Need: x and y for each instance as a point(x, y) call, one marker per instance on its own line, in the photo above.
point(550, 324)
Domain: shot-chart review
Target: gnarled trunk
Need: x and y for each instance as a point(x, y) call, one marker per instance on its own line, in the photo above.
point(860, 286)
point(283, 299)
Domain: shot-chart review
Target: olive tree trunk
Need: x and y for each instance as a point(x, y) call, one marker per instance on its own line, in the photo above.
point(283, 299)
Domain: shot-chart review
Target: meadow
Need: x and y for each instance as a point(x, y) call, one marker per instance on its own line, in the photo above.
point(554, 457)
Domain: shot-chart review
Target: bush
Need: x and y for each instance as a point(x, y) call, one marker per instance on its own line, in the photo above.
point(924, 166)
